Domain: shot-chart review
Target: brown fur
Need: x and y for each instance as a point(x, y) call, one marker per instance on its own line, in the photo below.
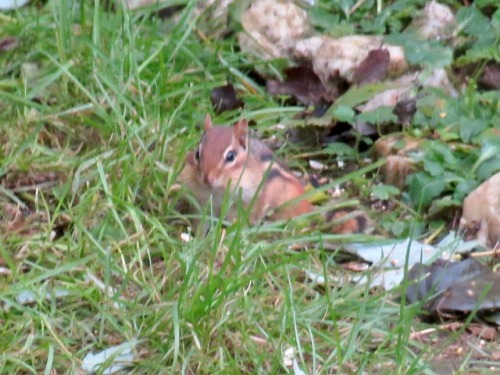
point(255, 171)
point(345, 221)
point(209, 176)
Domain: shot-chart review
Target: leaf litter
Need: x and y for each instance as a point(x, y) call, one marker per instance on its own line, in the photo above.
point(451, 288)
point(224, 98)
point(338, 56)
point(302, 83)
point(22, 218)
point(325, 66)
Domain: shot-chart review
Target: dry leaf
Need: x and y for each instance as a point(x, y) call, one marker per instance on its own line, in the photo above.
point(224, 99)
point(373, 68)
point(302, 83)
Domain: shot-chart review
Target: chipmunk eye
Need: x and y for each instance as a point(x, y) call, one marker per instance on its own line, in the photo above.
point(197, 154)
point(230, 156)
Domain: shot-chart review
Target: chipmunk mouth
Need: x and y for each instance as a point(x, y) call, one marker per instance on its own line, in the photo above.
point(205, 180)
point(210, 181)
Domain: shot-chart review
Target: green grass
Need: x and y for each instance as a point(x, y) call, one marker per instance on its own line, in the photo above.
point(110, 107)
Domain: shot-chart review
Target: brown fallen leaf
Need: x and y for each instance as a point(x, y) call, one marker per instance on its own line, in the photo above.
point(491, 77)
point(302, 83)
point(28, 222)
point(23, 222)
point(482, 331)
point(405, 109)
point(373, 68)
point(30, 181)
point(224, 99)
point(454, 289)
point(329, 56)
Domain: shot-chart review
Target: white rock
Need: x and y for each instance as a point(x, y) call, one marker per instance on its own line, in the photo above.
point(272, 27)
point(331, 56)
point(437, 21)
point(481, 211)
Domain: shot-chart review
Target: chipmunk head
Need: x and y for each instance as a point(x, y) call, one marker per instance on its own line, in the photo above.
point(222, 153)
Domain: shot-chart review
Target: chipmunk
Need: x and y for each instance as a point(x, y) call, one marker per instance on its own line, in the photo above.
point(229, 157)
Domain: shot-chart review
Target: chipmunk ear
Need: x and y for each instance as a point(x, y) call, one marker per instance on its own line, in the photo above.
point(208, 122)
point(240, 132)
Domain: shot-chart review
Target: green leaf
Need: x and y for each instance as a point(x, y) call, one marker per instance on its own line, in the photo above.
point(430, 54)
point(357, 95)
point(489, 168)
point(469, 127)
point(473, 22)
point(342, 29)
point(340, 149)
point(380, 115)
point(441, 153)
point(398, 228)
point(440, 205)
point(485, 3)
point(346, 6)
point(488, 162)
point(447, 134)
point(495, 22)
point(435, 168)
point(463, 188)
point(322, 19)
point(344, 114)
point(424, 188)
point(384, 192)
point(485, 48)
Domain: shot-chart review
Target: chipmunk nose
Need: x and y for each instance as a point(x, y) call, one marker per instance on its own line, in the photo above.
point(208, 179)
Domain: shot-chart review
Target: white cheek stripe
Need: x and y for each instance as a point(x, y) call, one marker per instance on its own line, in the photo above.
point(199, 150)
